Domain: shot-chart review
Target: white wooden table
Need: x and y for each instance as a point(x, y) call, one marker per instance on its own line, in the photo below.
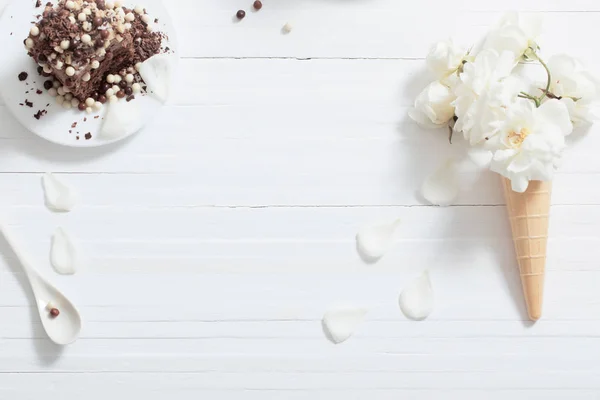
point(218, 237)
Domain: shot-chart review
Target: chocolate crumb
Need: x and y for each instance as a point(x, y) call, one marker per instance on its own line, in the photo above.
point(38, 3)
point(39, 91)
point(39, 114)
point(84, 119)
point(129, 98)
point(88, 136)
point(74, 125)
point(28, 103)
point(23, 76)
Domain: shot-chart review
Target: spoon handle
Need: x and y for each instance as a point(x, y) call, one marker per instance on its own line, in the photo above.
point(23, 258)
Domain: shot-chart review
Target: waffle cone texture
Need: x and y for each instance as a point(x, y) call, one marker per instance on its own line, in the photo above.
point(529, 215)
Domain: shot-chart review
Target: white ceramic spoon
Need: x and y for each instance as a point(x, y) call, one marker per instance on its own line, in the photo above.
point(63, 329)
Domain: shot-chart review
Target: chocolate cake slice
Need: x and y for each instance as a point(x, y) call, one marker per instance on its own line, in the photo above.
point(82, 43)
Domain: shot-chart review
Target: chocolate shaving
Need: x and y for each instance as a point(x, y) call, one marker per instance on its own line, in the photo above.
point(40, 114)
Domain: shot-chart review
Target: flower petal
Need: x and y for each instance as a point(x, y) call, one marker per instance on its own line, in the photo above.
point(556, 113)
point(372, 242)
point(442, 187)
point(340, 322)
point(417, 300)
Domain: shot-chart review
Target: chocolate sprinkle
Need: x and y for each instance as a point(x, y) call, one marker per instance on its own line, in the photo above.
point(88, 136)
point(40, 114)
point(23, 76)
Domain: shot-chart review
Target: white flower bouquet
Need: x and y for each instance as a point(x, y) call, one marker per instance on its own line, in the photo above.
point(514, 123)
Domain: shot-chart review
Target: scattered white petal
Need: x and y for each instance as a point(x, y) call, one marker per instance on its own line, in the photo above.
point(416, 301)
point(442, 187)
point(156, 73)
point(59, 196)
point(63, 254)
point(340, 322)
point(122, 119)
point(372, 242)
point(481, 157)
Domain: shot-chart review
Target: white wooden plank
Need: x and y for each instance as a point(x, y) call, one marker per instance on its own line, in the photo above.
point(89, 383)
point(375, 29)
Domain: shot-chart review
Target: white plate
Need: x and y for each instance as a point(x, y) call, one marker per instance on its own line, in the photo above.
point(15, 22)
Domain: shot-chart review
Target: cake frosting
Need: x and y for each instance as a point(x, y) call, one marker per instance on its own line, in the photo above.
point(92, 48)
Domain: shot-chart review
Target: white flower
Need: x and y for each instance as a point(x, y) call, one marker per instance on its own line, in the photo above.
point(529, 144)
point(484, 92)
point(433, 107)
point(577, 88)
point(445, 58)
point(515, 33)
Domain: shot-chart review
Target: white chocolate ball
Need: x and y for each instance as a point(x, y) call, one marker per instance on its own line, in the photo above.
point(89, 110)
point(110, 78)
point(130, 17)
point(109, 92)
point(70, 71)
point(146, 18)
point(82, 17)
point(116, 89)
point(129, 78)
point(138, 66)
point(70, 4)
point(65, 44)
point(74, 102)
point(87, 39)
point(113, 99)
point(29, 43)
point(56, 84)
point(97, 106)
point(118, 78)
point(86, 77)
point(59, 99)
point(61, 91)
point(109, 5)
point(95, 64)
point(68, 97)
point(136, 87)
point(52, 92)
point(139, 9)
point(34, 30)
point(89, 102)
